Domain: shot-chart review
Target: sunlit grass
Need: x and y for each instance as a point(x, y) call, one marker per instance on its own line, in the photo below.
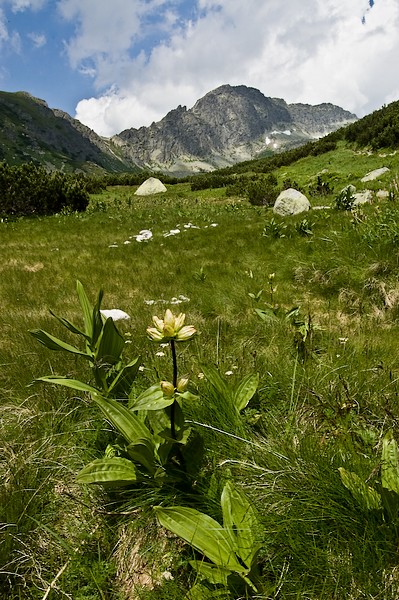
point(308, 417)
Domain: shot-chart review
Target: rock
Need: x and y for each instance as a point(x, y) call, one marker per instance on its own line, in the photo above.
point(152, 185)
point(374, 174)
point(364, 197)
point(291, 202)
point(382, 194)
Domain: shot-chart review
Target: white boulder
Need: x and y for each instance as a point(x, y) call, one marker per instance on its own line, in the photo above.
point(364, 197)
point(152, 185)
point(291, 202)
point(374, 174)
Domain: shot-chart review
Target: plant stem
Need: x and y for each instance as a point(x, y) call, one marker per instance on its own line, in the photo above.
point(174, 381)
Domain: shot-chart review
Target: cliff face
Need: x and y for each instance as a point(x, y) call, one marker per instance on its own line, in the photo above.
point(227, 125)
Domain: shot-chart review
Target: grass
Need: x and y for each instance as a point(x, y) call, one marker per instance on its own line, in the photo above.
point(307, 419)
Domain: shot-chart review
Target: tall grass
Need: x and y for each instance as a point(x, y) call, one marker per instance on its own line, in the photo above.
point(308, 418)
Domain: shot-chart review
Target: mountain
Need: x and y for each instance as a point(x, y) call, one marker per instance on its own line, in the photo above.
point(31, 131)
point(228, 125)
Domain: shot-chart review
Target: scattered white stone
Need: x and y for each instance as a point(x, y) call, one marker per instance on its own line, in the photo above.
point(115, 313)
point(291, 202)
point(382, 194)
point(213, 225)
point(113, 246)
point(149, 302)
point(143, 236)
point(364, 197)
point(152, 185)
point(171, 232)
point(374, 174)
point(127, 242)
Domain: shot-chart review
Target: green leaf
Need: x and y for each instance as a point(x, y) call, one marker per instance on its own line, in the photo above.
point(200, 592)
point(390, 464)
point(266, 314)
point(123, 382)
point(110, 344)
point(240, 520)
point(86, 309)
point(75, 384)
point(142, 452)
point(365, 496)
point(214, 378)
point(152, 399)
point(203, 533)
point(54, 343)
point(215, 575)
point(69, 325)
point(115, 470)
point(124, 420)
point(246, 390)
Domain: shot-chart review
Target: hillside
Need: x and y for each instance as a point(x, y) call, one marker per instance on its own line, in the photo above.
point(31, 131)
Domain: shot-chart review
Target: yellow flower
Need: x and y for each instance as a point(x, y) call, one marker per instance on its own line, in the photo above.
point(171, 327)
point(167, 388)
point(182, 384)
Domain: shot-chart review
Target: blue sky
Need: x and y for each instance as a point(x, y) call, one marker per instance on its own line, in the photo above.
point(116, 64)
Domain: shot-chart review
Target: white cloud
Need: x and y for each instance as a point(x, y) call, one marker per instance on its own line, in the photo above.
point(38, 39)
point(313, 51)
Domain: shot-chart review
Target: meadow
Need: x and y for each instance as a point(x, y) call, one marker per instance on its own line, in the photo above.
point(309, 303)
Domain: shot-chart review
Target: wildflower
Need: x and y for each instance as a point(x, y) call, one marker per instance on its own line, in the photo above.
point(171, 327)
point(160, 353)
point(182, 384)
point(144, 235)
point(200, 376)
point(167, 388)
point(229, 373)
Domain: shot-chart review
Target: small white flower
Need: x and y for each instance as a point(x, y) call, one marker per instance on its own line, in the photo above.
point(115, 313)
point(342, 340)
point(213, 225)
point(160, 353)
point(171, 232)
point(144, 235)
point(200, 376)
point(175, 301)
point(149, 302)
point(184, 298)
point(141, 368)
point(127, 242)
point(228, 373)
point(113, 246)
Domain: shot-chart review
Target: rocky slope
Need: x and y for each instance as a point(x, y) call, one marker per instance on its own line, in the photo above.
point(31, 131)
point(227, 125)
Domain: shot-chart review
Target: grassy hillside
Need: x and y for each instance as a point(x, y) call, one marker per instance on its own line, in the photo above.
point(313, 451)
point(30, 131)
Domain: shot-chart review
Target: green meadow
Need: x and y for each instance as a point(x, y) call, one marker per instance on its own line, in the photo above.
point(309, 304)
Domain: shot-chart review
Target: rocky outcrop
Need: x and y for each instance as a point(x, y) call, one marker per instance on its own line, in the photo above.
point(227, 125)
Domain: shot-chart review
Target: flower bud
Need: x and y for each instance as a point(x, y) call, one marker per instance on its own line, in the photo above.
point(167, 388)
point(182, 384)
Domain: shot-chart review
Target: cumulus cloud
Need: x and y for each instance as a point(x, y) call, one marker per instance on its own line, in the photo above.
point(313, 51)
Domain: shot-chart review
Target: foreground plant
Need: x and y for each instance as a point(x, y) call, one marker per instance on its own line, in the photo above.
point(229, 550)
point(150, 428)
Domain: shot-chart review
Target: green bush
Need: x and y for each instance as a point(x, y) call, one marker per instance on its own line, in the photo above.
point(30, 190)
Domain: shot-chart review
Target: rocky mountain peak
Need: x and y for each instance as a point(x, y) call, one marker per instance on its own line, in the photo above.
point(228, 124)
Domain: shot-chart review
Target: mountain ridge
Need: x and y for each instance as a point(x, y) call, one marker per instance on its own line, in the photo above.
point(227, 125)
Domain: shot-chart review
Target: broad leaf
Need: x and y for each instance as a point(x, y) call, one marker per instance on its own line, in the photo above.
point(123, 382)
point(69, 325)
point(240, 520)
point(104, 471)
point(245, 391)
point(110, 344)
point(54, 343)
point(266, 314)
point(214, 378)
point(203, 533)
point(215, 575)
point(390, 464)
point(75, 384)
point(365, 496)
point(87, 309)
point(152, 399)
point(142, 452)
point(123, 419)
